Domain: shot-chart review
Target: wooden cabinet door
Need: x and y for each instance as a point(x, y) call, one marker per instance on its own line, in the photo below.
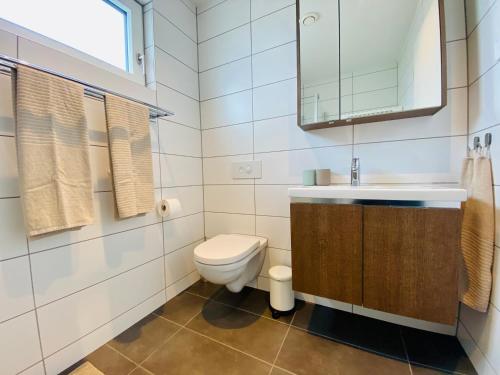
point(410, 261)
point(326, 250)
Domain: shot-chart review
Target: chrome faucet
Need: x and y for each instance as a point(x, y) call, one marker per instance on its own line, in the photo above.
point(355, 172)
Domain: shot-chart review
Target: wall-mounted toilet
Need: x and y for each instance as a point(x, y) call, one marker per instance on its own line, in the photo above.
point(232, 260)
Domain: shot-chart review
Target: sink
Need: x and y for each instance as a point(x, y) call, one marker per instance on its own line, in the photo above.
point(382, 192)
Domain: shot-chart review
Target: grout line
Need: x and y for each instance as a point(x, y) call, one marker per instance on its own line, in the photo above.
point(483, 74)
point(282, 342)
point(224, 32)
point(253, 123)
point(173, 24)
point(468, 34)
point(177, 59)
point(210, 7)
point(405, 350)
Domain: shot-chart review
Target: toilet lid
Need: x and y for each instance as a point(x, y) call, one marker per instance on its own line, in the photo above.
point(226, 249)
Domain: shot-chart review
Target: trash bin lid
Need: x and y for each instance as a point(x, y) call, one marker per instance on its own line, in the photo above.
point(280, 273)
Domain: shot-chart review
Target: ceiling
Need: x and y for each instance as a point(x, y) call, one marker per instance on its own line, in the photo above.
point(372, 35)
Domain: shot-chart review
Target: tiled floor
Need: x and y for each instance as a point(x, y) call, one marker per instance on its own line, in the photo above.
point(209, 330)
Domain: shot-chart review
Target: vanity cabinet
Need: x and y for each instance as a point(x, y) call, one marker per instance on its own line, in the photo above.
point(327, 249)
point(400, 260)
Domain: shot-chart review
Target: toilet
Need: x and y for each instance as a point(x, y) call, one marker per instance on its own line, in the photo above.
point(232, 260)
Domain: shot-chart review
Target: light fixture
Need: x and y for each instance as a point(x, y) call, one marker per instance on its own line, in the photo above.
point(309, 18)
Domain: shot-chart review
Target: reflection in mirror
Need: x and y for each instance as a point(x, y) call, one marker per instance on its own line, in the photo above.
point(389, 60)
point(319, 61)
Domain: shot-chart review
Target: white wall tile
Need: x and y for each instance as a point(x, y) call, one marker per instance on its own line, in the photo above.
point(205, 5)
point(179, 263)
point(226, 79)
point(457, 63)
point(105, 223)
point(156, 170)
point(228, 140)
point(261, 8)
point(12, 233)
point(484, 329)
point(180, 170)
point(275, 257)
point(190, 198)
point(154, 135)
point(175, 74)
point(182, 232)
point(283, 133)
point(481, 44)
point(19, 344)
point(475, 355)
point(178, 139)
point(100, 168)
point(181, 285)
point(451, 120)
point(173, 41)
point(277, 99)
point(190, 5)
point(220, 223)
point(276, 230)
point(179, 15)
point(230, 46)
point(8, 44)
point(286, 167)
point(65, 270)
point(373, 99)
point(68, 319)
point(186, 110)
point(272, 200)
point(476, 9)
point(455, 19)
point(72, 353)
point(9, 181)
point(34, 370)
point(7, 124)
point(276, 64)
point(96, 121)
point(16, 296)
point(273, 30)
point(375, 81)
point(227, 110)
point(218, 170)
point(484, 97)
point(216, 21)
point(412, 161)
point(237, 199)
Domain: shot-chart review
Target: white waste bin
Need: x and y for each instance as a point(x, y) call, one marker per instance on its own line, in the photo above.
point(282, 297)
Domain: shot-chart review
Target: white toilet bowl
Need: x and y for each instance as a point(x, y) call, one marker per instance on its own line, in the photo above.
point(232, 260)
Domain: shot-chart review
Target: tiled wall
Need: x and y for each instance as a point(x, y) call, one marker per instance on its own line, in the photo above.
point(480, 333)
point(248, 111)
point(63, 295)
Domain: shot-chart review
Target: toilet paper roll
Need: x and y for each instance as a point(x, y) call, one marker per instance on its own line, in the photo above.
point(168, 207)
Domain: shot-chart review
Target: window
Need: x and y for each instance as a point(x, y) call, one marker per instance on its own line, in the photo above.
point(100, 28)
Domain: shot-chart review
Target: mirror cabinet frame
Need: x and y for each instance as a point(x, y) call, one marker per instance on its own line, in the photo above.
point(419, 112)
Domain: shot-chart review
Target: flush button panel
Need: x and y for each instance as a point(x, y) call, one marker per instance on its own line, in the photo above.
point(246, 169)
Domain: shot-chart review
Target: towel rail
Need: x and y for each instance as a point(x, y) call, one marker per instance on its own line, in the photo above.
point(8, 63)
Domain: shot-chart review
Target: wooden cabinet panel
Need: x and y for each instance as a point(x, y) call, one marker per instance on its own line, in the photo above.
point(326, 250)
point(410, 261)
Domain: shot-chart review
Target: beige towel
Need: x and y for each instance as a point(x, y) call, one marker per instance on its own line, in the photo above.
point(131, 159)
point(86, 369)
point(478, 235)
point(53, 152)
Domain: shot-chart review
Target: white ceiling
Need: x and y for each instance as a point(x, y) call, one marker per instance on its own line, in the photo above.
point(372, 33)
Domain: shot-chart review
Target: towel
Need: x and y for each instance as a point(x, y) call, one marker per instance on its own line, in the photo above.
point(53, 152)
point(131, 159)
point(478, 235)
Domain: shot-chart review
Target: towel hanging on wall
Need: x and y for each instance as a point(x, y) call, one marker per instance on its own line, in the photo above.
point(478, 233)
point(131, 159)
point(52, 152)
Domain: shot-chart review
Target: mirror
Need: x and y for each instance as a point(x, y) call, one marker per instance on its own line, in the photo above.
point(369, 60)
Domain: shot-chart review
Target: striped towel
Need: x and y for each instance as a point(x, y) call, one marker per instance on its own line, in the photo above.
point(131, 159)
point(478, 234)
point(53, 152)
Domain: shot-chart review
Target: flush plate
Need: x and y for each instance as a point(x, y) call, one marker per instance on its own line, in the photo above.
point(246, 169)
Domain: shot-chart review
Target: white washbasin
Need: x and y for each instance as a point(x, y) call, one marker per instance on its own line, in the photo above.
point(381, 192)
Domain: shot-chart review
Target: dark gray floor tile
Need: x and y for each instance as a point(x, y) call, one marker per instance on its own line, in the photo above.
point(440, 352)
point(192, 354)
point(363, 332)
point(144, 337)
point(182, 308)
point(248, 332)
point(140, 371)
point(305, 353)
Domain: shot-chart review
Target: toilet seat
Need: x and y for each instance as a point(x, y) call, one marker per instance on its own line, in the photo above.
point(226, 249)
